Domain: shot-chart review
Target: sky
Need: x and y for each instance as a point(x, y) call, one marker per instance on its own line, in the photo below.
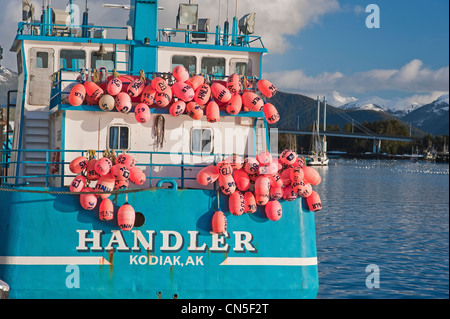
point(317, 47)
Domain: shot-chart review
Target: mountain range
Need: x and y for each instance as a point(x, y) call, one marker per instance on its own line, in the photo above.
point(299, 111)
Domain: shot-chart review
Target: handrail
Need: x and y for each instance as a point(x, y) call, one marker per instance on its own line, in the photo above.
point(46, 29)
point(242, 40)
point(60, 173)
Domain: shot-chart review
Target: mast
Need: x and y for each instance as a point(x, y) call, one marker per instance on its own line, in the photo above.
point(324, 144)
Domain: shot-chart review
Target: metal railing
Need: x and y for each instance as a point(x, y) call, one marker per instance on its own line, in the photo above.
point(189, 36)
point(75, 31)
point(54, 166)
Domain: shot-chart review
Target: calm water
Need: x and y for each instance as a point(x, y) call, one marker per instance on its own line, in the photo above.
point(393, 214)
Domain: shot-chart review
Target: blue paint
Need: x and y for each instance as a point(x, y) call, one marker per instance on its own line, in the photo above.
point(48, 227)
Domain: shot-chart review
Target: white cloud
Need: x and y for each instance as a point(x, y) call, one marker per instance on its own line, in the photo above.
point(275, 19)
point(412, 77)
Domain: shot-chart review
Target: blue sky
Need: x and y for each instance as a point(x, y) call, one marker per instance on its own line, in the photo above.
point(319, 47)
point(412, 35)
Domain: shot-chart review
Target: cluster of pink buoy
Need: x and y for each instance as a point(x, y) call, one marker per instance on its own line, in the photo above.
point(261, 181)
point(109, 174)
point(189, 95)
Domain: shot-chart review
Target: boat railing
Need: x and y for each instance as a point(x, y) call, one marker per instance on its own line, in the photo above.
point(57, 162)
point(74, 31)
point(64, 77)
point(189, 36)
point(125, 33)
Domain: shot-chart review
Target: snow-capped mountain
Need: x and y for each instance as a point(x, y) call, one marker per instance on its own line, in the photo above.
point(398, 106)
point(8, 81)
point(432, 118)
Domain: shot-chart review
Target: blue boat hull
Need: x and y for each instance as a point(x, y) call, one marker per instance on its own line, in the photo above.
point(52, 248)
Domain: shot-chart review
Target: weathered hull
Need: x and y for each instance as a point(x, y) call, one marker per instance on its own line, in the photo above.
point(52, 248)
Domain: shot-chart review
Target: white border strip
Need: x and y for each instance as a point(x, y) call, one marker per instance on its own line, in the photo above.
point(269, 261)
point(46, 260)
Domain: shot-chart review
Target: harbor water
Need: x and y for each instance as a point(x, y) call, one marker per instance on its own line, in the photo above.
point(384, 230)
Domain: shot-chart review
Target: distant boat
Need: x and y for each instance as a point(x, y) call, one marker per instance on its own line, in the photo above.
point(318, 149)
point(318, 155)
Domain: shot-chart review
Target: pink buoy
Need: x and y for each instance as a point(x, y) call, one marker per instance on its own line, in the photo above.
point(236, 203)
point(250, 203)
point(276, 193)
point(136, 88)
point(219, 223)
point(196, 81)
point(234, 83)
point(252, 101)
point(77, 95)
point(302, 189)
point(208, 175)
point(296, 174)
point(234, 106)
point(142, 113)
point(289, 194)
point(194, 110)
point(120, 172)
point(227, 184)
point(93, 90)
point(183, 91)
point(262, 190)
point(298, 162)
point(251, 165)
point(314, 203)
point(202, 94)
point(105, 184)
point(78, 184)
point(311, 175)
point(270, 169)
point(273, 210)
point(177, 108)
point(220, 93)
point(224, 168)
point(162, 99)
point(160, 85)
point(123, 102)
point(271, 113)
point(78, 164)
point(137, 176)
point(275, 180)
point(121, 184)
point(264, 158)
point(114, 86)
point(126, 217)
point(286, 176)
point(242, 179)
point(148, 95)
point(288, 157)
point(266, 88)
point(180, 73)
point(103, 166)
point(212, 112)
point(125, 159)
point(91, 174)
point(106, 210)
point(88, 201)
point(236, 161)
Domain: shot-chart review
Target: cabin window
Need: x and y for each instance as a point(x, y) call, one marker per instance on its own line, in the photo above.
point(241, 66)
point(119, 137)
point(41, 60)
point(105, 61)
point(189, 62)
point(202, 140)
point(214, 66)
point(72, 59)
